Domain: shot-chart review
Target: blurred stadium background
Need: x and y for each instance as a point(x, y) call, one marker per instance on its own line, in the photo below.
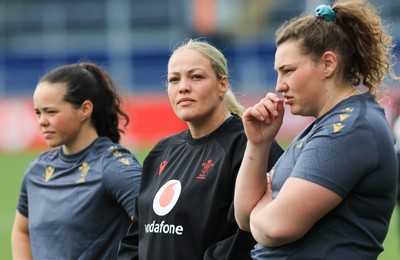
point(132, 39)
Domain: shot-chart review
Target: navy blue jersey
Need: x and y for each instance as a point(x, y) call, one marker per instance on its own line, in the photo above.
point(79, 206)
point(350, 151)
point(185, 204)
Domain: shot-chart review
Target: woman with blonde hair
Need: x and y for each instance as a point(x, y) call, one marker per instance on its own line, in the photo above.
point(185, 203)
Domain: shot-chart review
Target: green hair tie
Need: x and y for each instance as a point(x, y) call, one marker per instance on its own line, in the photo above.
point(326, 12)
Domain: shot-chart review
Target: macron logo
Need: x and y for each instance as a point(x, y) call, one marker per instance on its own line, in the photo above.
point(162, 166)
point(166, 197)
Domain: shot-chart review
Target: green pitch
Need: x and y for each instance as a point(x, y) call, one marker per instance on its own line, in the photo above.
point(12, 167)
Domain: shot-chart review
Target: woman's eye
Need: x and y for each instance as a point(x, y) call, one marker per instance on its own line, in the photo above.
point(51, 112)
point(197, 77)
point(287, 71)
point(172, 80)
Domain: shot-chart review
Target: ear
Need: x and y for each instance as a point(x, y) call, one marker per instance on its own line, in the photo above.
point(223, 85)
point(86, 109)
point(329, 60)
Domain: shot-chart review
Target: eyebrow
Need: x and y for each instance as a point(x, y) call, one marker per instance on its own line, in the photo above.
point(281, 67)
point(189, 71)
point(45, 109)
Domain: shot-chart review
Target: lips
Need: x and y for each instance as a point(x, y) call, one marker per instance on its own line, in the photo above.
point(185, 100)
point(288, 99)
point(48, 134)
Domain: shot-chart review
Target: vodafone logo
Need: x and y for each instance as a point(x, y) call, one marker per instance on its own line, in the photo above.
point(166, 197)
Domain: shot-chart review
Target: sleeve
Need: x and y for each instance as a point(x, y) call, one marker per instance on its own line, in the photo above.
point(23, 198)
point(122, 180)
point(337, 162)
point(275, 152)
point(128, 248)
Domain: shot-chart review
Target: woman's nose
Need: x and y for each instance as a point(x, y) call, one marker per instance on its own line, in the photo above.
point(43, 120)
point(184, 86)
point(280, 85)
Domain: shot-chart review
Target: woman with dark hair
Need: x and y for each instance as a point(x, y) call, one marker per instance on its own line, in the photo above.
point(77, 200)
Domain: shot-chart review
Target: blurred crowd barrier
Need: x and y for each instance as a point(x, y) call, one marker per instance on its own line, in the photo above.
point(151, 118)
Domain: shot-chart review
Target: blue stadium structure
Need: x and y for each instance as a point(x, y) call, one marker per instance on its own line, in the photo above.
point(133, 38)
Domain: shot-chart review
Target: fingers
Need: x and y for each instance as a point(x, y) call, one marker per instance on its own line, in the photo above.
point(269, 107)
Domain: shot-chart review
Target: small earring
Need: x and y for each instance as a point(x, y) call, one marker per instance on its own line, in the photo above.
point(221, 97)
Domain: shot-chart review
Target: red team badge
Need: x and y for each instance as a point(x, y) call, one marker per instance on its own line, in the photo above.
point(166, 197)
point(206, 166)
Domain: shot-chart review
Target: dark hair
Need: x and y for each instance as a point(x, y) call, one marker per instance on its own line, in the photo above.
point(364, 48)
point(87, 81)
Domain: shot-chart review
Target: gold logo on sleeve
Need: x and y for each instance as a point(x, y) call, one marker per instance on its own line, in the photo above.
point(343, 117)
point(337, 127)
point(117, 153)
point(49, 173)
point(124, 161)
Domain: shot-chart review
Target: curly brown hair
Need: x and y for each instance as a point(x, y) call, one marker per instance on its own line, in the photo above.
point(364, 48)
